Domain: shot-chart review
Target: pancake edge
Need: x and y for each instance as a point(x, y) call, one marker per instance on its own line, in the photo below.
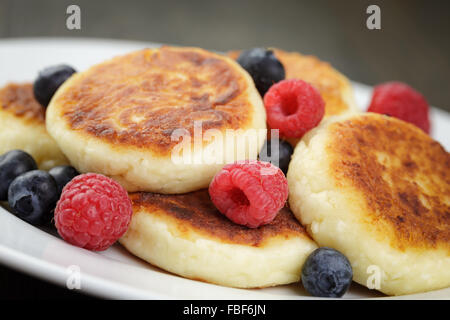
point(203, 258)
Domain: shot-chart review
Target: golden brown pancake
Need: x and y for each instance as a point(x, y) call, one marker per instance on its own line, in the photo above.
point(195, 211)
point(18, 99)
point(187, 235)
point(22, 126)
point(141, 98)
point(377, 189)
point(130, 106)
point(404, 177)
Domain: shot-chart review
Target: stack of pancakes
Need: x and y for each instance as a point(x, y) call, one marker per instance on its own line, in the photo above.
point(373, 187)
point(118, 119)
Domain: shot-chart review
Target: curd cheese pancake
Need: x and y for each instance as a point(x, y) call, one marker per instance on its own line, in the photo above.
point(378, 190)
point(186, 235)
point(119, 118)
point(22, 126)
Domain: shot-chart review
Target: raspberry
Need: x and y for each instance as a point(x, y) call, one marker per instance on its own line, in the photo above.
point(399, 100)
point(93, 212)
point(249, 193)
point(294, 107)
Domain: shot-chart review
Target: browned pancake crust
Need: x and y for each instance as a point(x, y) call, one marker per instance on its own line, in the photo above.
point(195, 211)
point(139, 99)
point(320, 74)
point(402, 174)
point(19, 100)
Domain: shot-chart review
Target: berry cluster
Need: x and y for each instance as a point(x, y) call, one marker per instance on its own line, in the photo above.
point(92, 211)
point(292, 106)
point(31, 193)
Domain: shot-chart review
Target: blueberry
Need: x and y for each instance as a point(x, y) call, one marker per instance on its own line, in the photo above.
point(63, 175)
point(263, 66)
point(12, 165)
point(33, 196)
point(282, 155)
point(49, 80)
point(327, 273)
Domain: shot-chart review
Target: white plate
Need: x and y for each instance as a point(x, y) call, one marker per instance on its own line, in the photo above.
point(115, 273)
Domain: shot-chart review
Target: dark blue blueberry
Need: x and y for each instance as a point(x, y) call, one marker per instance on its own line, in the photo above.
point(32, 196)
point(12, 165)
point(327, 273)
point(49, 80)
point(263, 66)
point(282, 154)
point(63, 175)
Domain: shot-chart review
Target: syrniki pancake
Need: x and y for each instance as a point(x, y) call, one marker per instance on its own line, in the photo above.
point(22, 126)
point(378, 190)
point(186, 235)
point(333, 86)
point(124, 117)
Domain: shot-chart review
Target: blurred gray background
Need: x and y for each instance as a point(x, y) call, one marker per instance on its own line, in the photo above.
point(413, 45)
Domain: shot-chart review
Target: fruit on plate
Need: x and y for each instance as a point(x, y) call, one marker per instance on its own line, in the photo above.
point(399, 100)
point(49, 80)
point(13, 164)
point(327, 273)
point(63, 175)
point(249, 193)
point(334, 87)
point(293, 107)
point(263, 66)
point(93, 212)
point(33, 196)
point(277, 151)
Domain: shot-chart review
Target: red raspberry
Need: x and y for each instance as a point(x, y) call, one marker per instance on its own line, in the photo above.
point(249, 193)
point(294, 107)
point(399, 100)
point(93, 212)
